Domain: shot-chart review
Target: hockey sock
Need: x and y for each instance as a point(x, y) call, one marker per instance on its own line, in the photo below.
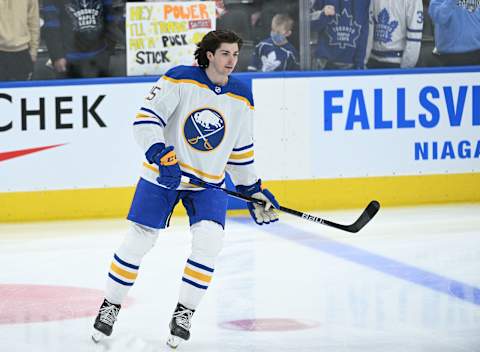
point(126, 262)
point(207, 242)
point(195, 281)
point(121, 277)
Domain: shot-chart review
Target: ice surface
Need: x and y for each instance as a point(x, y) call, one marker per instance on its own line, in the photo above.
point(408, 282)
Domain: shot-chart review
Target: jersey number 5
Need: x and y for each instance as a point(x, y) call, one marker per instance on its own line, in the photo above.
point(153, 92)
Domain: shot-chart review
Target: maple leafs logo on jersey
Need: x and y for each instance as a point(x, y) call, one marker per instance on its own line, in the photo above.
point(344, 30)
point(270, 62)
point(86, 16)
point(383, 27)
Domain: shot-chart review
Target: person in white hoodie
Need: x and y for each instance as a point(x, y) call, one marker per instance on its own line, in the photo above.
point(19, 38)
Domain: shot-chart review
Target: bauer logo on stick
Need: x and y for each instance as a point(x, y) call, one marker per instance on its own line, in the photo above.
point(204, 129)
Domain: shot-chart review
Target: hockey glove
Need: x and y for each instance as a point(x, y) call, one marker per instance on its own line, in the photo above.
point(167, 162)
point(261, 214)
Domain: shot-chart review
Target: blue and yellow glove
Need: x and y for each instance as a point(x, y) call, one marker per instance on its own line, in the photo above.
point(261, 214)
point(166, 159)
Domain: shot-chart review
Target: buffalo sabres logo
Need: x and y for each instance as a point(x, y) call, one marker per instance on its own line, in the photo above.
point(204, 129)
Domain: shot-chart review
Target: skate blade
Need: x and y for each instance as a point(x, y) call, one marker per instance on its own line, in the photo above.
point(173, 341)
point(98, 336)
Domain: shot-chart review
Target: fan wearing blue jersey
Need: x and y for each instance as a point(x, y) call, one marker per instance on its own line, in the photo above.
point(341, 30)
point(275, 53)
point(197, 122)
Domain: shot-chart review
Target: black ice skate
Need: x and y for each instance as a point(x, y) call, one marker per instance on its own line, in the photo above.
point(106, 317)
point(180, 325)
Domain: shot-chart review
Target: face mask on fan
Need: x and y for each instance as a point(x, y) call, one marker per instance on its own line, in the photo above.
point(278, 39)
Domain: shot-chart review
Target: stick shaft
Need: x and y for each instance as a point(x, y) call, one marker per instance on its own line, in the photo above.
point(364, 218)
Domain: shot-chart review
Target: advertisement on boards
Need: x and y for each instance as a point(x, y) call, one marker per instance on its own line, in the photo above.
point(69, 137)
point(369, 125)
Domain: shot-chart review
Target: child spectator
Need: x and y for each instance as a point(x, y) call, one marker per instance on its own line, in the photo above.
point(395, 33)
point(276, 53)
point(262, 13)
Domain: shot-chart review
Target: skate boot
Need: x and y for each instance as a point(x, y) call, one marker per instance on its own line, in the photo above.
point(105, 319)
point(180, 325)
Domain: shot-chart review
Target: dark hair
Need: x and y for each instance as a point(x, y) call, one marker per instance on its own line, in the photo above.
point(211, 42)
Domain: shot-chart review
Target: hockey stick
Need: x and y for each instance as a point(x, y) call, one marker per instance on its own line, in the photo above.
point(367, 214)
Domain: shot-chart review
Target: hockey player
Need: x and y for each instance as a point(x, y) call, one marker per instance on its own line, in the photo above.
point(196, 122)
point(395, 33)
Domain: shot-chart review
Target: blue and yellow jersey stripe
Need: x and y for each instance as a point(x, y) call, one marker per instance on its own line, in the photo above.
point(242, 155)
point(148, 116)
point(235, 88)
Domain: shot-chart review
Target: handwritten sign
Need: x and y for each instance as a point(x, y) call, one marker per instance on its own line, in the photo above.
point(162, 35)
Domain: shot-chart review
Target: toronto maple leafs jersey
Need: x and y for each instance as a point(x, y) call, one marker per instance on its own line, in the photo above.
point(210, 126)
point(79, 29)
point(343, 37)
point(269, 57)
point(396, 31)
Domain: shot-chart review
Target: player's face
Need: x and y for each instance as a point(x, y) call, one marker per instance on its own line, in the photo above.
point(225, 58)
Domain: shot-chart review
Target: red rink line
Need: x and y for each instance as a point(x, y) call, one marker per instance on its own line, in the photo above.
point(269, 324)
point(24, 303)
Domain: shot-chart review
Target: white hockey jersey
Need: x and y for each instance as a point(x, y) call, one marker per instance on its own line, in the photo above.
point(396, 31)
point(210, 127)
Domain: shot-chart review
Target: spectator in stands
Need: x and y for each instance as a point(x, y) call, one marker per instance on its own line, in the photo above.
point(342, 33)
point(19, 38)
point(262, 12)
point(457, 31)
point(234, 16)
point(80, 36)
point(395, 33)
point(275, 53)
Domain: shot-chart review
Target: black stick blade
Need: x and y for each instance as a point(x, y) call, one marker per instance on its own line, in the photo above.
point(367, 215)
point(370, 211)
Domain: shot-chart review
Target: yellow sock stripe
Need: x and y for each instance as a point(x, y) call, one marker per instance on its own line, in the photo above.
point(126, 274)
point(197, 275)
